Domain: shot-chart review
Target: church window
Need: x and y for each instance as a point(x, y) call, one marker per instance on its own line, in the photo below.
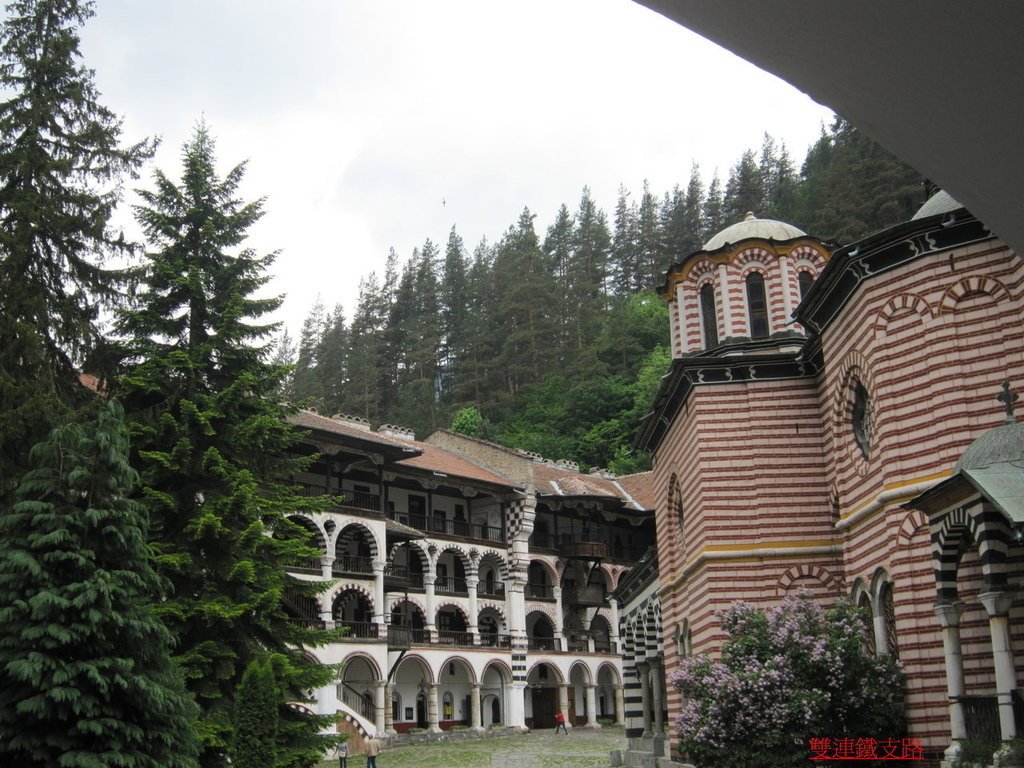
point(889, 611)
point(675, 504)
point(708, 315)
point(869, 627)
point(861, 418)
point(805, 279)
point(757, 306)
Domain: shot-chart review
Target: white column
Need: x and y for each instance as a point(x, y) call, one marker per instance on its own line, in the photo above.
point(563, 702)
point(326, 612)
point(326, 564)
point(515, 708)
point(949, 618)
point(559, 626)
point(592, 706)
point(379, 607)
point(613, 630)
point(645, 695)
point(471, 584)
point(389, 721)
point(515, 602)
point(428, 587)
point(726, 300)
point(998, 606)
point(620, 706)
point(657, 696)
point(382, 704)
point(432, 724)
point(681, 309)
point(787, 299)
point(474, 707)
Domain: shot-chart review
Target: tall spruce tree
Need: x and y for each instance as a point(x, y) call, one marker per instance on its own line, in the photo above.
point(60, 166)
point(213, 448)
point(254, 737)
point(86, 675)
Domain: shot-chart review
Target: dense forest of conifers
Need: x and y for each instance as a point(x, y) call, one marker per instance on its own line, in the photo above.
point(556, 344)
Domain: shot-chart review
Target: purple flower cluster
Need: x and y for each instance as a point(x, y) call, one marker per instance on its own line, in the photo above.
point(786, 673)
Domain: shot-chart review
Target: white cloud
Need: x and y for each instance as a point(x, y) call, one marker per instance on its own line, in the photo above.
point(359, 117)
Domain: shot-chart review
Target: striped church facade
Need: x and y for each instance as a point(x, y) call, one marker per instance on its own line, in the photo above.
point(808, 413)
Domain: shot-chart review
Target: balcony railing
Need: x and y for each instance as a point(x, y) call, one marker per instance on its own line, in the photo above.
point(590, 550)
point(346, 498)
point(602, 645)
point(497, 589)
point(495, 641)
point(398, 578)
point(307, 622)
point(353, 564)
point(307, 566)
point(447, 527)
point(360, 630)
point(578, 644)
point(454, 637)
point(540, 592)
point(451, 585)
point(540, 643)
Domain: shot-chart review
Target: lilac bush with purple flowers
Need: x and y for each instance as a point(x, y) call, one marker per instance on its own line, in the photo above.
point(787, 674)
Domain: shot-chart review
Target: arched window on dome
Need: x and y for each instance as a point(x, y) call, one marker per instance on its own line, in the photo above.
point(805, 279)
point(757, 306)
point(709, 315)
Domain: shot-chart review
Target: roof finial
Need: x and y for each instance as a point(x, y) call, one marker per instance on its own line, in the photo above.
point(1008, 398)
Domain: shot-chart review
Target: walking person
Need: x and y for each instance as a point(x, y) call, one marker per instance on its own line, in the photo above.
point(343, 755)
point(371, 748)
point(560, 722)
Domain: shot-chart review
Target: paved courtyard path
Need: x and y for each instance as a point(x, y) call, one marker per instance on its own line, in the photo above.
point(582, 748)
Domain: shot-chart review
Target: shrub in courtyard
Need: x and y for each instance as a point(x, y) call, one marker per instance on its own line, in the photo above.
point(787, 675)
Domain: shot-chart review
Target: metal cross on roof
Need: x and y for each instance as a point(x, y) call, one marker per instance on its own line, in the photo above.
point(1007, 398)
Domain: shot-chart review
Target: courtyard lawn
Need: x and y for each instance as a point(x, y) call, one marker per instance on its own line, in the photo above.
point(582, 748)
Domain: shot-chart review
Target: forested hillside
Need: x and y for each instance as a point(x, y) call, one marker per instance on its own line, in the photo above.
point(556, 343)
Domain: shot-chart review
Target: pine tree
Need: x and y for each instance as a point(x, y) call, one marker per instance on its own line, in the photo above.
point(332, 361)
point(651, 259)
point(744, 192)
point(60, 167)
point(714, 213)
point(558, 249)
point(212, 445)
point(366, 353)
point(86, 676)
point(452, 297)
point(254, 733)
point(284, 356)
point(588, 268)
point(305, 381)
point(625, 266)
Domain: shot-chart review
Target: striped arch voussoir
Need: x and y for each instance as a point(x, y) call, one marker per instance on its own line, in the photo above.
point(411, 600)
point(753, 259)
point(899, 304)
point(367, 535)
point(338, 589)
point(973, 285)
point(803, 571)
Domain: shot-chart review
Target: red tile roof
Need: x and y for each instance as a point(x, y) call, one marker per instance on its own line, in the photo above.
point(438, 460)
point(640, 487)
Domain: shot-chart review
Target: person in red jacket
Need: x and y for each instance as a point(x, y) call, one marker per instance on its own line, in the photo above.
point(560, 722)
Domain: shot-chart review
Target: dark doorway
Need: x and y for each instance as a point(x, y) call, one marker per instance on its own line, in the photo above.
point(545, 703)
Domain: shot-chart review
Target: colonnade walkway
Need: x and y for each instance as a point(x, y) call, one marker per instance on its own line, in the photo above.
point(582, 748)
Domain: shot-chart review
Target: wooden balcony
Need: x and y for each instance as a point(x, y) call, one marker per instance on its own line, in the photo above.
point(584, 550)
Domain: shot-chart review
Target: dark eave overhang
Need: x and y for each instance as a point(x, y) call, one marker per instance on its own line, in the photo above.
point(347, 443)
point(881, 252)
point(720, 365)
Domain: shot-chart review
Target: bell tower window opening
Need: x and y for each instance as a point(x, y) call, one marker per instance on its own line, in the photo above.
point(806, 280)
point(709, 315)
point(757, 306)
point(861, 419)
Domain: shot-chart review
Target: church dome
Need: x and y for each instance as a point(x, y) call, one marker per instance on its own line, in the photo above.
point(940, 202)
point(751, 226)
point(1000, 445)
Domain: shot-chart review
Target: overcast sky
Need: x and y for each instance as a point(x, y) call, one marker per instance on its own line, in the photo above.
point(371, 124)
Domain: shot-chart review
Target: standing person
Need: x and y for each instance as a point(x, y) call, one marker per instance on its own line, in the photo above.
point(371, 749)
point(343, 755)
point(560, 722)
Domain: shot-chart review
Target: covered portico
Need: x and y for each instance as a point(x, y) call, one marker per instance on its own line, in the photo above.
point(976, 518)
